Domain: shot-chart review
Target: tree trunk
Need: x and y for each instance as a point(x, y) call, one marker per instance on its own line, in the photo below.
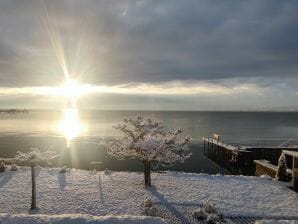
point(147, 173)
point(33, 199)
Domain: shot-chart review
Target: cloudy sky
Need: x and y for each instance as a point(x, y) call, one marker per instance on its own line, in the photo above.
point(150, 55)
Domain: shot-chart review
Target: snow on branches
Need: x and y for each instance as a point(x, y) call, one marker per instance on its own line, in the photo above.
point(33, 156)
point(281, 173)
point(148, 140)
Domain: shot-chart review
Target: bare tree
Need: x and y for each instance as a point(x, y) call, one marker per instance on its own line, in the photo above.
point(149, 142)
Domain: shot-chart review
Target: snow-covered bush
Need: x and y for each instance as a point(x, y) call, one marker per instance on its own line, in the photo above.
point(213, 219)
point(2, 167)
point(149, 142)
point(34, 157)
point(281, 173)
point(199, 214)
point(147, 205)
point(147, 202)
point(209, 208)
point(14, 167)
point(107, 171)
point(150, 210)
point(208, 214)
point(63, 169)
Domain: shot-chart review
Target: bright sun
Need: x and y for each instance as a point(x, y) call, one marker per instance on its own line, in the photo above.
point(71, 88)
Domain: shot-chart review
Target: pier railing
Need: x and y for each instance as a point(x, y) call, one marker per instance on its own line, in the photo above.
point(240, 160)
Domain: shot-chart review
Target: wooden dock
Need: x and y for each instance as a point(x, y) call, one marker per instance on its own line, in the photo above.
point(240, 160)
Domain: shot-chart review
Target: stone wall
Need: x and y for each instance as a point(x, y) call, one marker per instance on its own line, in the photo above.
point(263, 167)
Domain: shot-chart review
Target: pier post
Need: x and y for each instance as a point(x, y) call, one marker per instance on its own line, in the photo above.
point(208, 148)
point(295, 173)
point(211, 150)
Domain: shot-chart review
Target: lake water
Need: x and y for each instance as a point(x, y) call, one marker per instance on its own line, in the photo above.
point(40, 129)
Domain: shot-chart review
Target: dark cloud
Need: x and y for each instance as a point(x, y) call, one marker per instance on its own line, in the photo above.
point(144, 41)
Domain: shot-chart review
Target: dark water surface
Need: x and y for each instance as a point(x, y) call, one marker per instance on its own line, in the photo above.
point(40, 129)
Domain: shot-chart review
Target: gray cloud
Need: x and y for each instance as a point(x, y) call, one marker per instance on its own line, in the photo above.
point(119, 42)
point(145, 41)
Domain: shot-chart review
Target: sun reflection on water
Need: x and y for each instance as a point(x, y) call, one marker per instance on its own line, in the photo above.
point(70, 126)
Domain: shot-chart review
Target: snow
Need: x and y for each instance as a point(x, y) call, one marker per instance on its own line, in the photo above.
point(33, 156)
point(77, 219)
point(219, 143)
point(148, 140)
point(119, 193)
point(272, 221)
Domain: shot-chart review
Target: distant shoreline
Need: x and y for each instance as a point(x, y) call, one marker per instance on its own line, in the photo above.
point(14, 111)
point(131, 110)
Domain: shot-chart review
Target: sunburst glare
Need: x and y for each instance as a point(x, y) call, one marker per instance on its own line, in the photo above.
point(72, 89)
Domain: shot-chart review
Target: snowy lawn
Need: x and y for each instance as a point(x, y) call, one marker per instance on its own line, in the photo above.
point(77, 219)
point(118, 193)
point(271, 221)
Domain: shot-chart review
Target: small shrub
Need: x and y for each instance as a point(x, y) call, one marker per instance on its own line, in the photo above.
point(2, 167)
point(281, 173)
point(152, 211)
point(199, 214)
point(14, 167)
point(149, 209)
point(147, 202)
point(63, 170)
point(213, 219)
point(209, 208)
point(107, 171)
point(208, 214)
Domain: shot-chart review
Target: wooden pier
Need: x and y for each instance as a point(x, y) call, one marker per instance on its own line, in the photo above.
point(240, 160)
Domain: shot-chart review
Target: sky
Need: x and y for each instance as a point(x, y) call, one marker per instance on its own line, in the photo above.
point(150, 55)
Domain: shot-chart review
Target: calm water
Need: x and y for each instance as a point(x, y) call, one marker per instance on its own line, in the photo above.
point(40, 129)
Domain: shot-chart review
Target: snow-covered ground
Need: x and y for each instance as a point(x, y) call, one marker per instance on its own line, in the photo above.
point(77, 219)
point(271, 221)
point(119, 193)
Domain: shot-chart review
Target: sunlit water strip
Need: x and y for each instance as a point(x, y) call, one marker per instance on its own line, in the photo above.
point(70, 126)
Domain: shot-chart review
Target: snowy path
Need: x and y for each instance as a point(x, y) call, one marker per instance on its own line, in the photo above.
point(121, 193)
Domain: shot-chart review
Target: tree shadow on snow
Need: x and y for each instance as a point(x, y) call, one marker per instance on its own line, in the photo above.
point(100, 189)
point(37, 170)
point(167, 204)
point(62, 180)
point(5, 177)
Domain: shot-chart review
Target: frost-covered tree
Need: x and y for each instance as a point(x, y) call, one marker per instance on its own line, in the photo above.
point(32, 158)
point(281, 173)
point(150, 142)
